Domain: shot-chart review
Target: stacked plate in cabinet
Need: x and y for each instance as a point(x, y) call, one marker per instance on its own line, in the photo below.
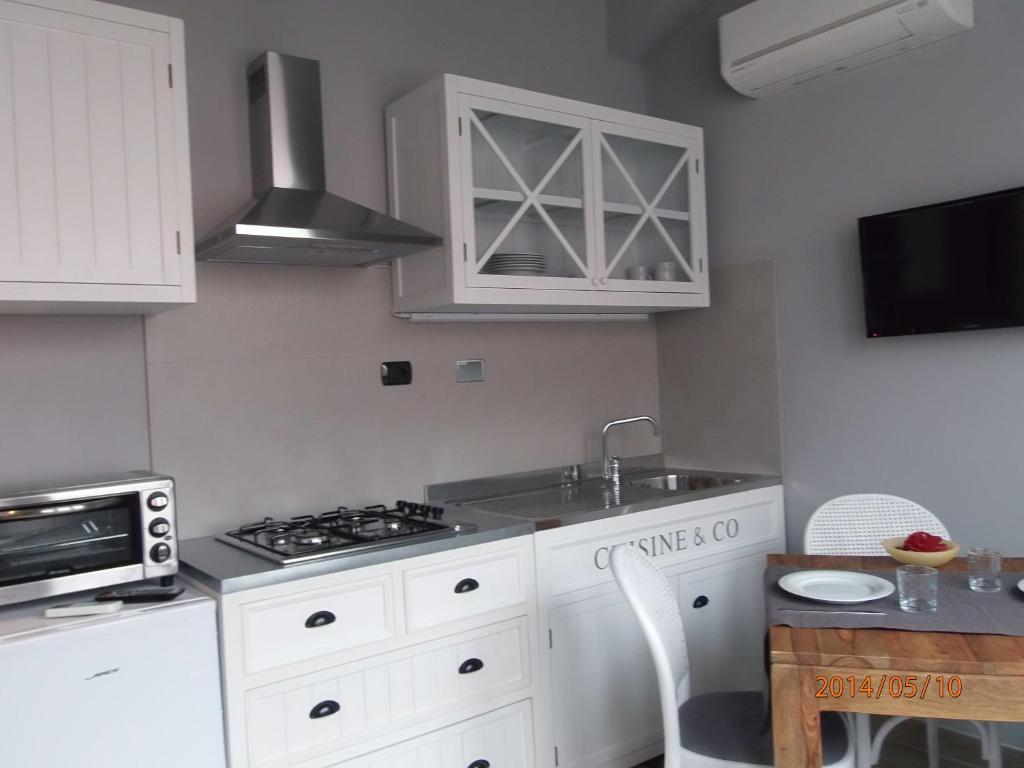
point(517, 264)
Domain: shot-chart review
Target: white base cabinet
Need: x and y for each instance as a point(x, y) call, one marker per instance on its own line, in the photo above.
point(499, 739)
point(546, 205)
point(387, 665)
point(542, 664)
point(96, 209)
point(598, 703)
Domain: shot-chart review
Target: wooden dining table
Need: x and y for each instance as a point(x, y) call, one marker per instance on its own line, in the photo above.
point(885, 672)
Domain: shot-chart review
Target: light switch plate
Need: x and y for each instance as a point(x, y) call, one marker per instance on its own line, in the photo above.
point(469, 370)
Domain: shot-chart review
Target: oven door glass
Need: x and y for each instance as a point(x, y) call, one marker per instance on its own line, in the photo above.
point(55, 539)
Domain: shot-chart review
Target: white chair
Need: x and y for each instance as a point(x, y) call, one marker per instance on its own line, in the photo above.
point(714, 730)
point(855, 525)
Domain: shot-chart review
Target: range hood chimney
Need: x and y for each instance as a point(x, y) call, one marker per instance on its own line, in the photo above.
point(292, 219)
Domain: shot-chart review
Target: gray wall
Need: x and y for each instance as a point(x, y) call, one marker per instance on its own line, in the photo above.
point(264, 397)
point(72, 397)
point(718, 376)
point(939, 418)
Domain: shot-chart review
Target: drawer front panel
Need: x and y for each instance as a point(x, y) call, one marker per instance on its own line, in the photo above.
point(579, 555)
point(500, 739)
point(468, 587)
point(289, 629)
point(320, 713)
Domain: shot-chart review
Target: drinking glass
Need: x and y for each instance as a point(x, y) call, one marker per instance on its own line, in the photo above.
point(665, 270)
point(918, 587)
point(986, 570)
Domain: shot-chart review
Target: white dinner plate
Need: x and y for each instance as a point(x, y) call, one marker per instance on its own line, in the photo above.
point(836, 586)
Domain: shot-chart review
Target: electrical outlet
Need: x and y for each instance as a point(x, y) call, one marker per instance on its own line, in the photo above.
point(396, 373)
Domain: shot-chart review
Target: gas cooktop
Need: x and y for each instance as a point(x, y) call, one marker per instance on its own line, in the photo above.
point(343, 531)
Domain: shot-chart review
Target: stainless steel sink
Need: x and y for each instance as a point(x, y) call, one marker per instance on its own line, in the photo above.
point(580, 494)
point(676, 482)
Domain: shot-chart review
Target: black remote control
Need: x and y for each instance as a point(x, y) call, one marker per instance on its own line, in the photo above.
point(140, 595)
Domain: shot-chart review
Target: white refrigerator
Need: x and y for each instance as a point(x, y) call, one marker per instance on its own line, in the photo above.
point(136, 688)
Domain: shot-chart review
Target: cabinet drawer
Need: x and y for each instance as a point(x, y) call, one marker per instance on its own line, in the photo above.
point(467, 587)
point(500, 739)
point(323, 712)
point(285, 630)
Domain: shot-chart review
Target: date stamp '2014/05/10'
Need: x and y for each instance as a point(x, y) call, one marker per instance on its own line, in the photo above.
point(893, 686)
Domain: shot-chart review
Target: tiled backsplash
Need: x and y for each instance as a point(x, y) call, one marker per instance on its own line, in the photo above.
point(719, 376)
point(265, 397)
point(72, 397)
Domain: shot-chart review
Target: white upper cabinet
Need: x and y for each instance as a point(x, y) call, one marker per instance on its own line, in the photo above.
point(546, 205)
point(96, 213)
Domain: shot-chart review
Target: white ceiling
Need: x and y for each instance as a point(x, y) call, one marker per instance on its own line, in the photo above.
point(635, 27)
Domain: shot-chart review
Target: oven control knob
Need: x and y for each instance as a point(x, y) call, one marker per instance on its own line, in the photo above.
point(159, 527)
point(160, 553)
point(157, 501)
point(437, 512)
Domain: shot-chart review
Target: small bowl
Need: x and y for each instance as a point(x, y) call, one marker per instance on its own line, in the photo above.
point(933, 559)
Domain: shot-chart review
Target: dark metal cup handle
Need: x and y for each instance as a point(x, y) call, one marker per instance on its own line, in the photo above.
point(466, 585)
point(470, 665)
point(479, 764)
point(320, 619)
point(323, 709)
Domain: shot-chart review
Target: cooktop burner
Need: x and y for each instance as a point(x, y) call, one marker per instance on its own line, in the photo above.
point(309, 537)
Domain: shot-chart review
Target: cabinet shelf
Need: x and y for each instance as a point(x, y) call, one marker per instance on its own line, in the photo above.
point(483, 197)
point(615, 210)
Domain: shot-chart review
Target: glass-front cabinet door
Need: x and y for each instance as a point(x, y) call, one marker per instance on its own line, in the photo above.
point(527, 196)
point(650, 234)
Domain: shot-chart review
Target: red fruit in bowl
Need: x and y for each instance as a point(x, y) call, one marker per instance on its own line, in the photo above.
point(921, 541)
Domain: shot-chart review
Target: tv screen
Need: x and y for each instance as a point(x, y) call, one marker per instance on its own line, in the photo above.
point(954, 266)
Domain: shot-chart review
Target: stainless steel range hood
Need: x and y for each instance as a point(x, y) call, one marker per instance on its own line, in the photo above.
point(292, 219)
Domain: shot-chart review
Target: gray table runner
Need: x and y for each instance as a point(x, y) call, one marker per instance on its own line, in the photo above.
point(960, 609)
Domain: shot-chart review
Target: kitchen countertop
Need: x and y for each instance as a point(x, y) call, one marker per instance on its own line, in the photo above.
point(502, 507)
point(225, 569)
point(543, 498)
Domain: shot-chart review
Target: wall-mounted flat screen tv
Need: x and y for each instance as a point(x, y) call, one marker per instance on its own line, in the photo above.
point(954, 266)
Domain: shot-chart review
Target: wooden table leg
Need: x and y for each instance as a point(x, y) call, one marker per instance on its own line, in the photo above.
point(796, 720)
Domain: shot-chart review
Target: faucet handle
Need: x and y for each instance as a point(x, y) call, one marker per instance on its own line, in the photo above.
point(611, 468)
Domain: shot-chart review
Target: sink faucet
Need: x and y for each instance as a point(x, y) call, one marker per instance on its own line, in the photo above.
point(610, 464)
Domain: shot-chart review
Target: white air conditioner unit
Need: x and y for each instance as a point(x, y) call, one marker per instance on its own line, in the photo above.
point(772, 45)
